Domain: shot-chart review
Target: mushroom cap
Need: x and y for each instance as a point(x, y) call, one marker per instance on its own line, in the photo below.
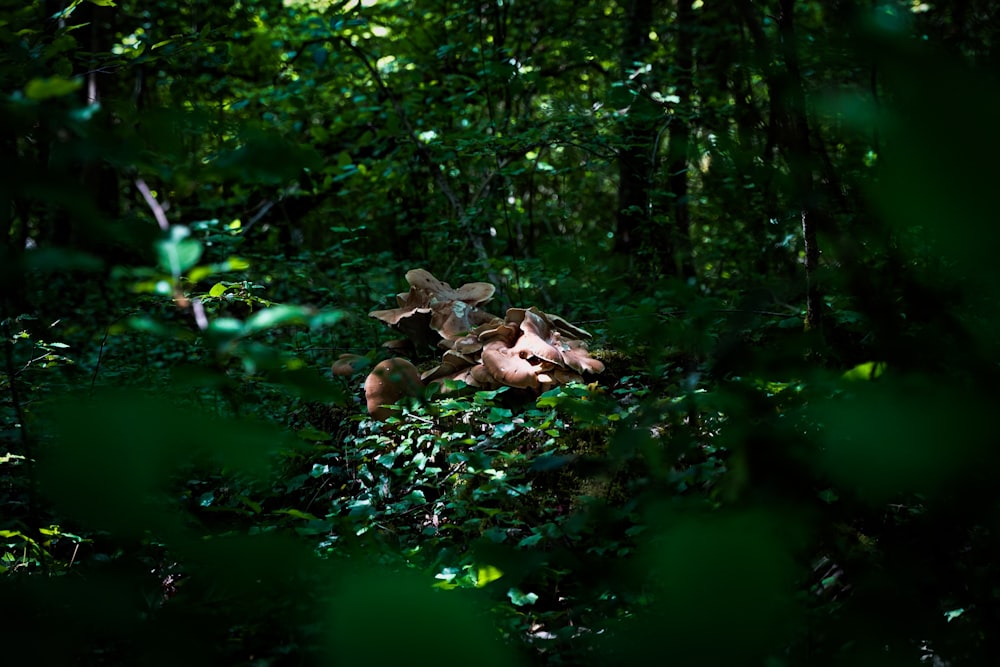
point(472, 294)
point(451, 363)
point(412, 317)
point(390, 381)
point(349, 364)
point(556, 377)
point(574, 354)
point(451, 319)
point(433, 309)
point(468, 344)
point(508, 367)
point(497, 331)
point(474, 376)
point(535, 332)
point(567, 329)
point(406, 303)
point(529, 350)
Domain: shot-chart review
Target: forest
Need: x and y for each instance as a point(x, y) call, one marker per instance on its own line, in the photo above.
point(494, 332)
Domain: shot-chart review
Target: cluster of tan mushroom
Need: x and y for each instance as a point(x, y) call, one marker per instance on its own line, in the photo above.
point(526, 349)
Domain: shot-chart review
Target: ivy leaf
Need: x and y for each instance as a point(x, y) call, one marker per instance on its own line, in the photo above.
point(530, 541)
point(500, 430)
point(497, 415)
point(521, 599)
point(487, 573)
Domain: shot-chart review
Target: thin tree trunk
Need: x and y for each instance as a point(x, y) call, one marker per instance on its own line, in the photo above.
point(797, 143)
point(679, 153)
point(638, 134)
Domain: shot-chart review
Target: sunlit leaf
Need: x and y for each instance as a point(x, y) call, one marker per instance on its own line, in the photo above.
point(56, 86)
point(487, 573)
point(218, 289)
point(867, 371)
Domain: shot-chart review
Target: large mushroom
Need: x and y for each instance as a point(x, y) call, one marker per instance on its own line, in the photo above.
point(388, 383)
point(527, 349)
point(433, 310)
point(534, 350)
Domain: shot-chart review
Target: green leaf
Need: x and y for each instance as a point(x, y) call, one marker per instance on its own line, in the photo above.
point(530, 541)
point(521, 599)
point(500, 430)
point(499, 415)
point(296, 514)
point(487, 573)
point(870, 370)
point(327, 318)
point(103, 3)
point(952, 614)
point(199, 273)
point(486, 396)
point(149, 325)
point(218, 289)
point(178, 253)
point(225, 327)
point(83, 114)
point(278, 316)
point(252, 505)
point(55, 86)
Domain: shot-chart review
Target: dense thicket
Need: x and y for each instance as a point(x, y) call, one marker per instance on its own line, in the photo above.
point(774, 216)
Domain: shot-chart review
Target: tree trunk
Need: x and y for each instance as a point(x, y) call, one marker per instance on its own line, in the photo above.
point(677, 252)
point(639, 132)
point(797, 147)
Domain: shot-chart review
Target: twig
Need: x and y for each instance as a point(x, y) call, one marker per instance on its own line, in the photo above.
point(100, 357)
point(154, 206)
